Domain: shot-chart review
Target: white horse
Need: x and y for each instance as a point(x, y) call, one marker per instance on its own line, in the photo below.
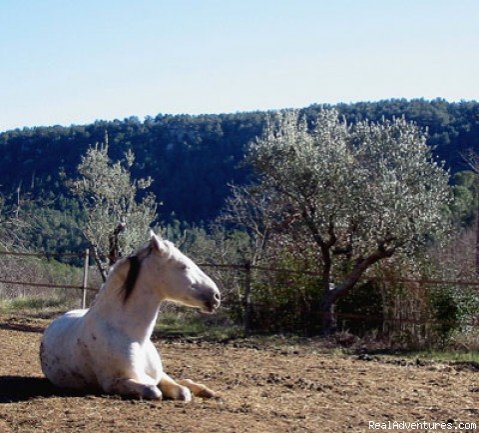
point(108, 346)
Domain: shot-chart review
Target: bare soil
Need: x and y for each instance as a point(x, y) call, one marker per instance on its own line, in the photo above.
point(270, 388)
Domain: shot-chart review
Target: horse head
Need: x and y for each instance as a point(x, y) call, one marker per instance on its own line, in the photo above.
point(176, 277)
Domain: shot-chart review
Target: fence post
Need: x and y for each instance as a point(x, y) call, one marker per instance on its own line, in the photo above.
point(247, 307)
point(85, 277)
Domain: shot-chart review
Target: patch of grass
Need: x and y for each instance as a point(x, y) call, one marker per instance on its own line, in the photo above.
point(30, 303)
point(193, 325)
point(444, 355)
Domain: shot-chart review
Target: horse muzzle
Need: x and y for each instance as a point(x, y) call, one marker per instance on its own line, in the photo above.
point(211, 302)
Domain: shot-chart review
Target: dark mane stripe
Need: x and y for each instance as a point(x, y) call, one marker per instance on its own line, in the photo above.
point(131, 277)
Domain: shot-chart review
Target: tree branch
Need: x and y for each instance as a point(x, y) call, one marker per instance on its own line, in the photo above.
point(358, 270)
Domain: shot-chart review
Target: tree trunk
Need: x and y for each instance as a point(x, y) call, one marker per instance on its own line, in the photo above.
point(98, 261)
point(329, 323)
point(328, 319)
point(114, 252)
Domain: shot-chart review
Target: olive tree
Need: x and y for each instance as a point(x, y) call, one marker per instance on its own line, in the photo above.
point(362, 192)
point(108, 196)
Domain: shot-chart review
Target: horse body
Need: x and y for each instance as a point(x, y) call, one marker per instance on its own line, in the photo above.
point(108, 346)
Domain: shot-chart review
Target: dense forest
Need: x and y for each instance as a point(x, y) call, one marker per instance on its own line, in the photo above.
point(193, 159)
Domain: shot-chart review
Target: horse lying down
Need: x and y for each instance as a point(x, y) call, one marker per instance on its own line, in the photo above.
point(107, 347)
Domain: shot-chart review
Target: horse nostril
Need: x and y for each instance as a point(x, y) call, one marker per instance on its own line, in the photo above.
point(217, 297)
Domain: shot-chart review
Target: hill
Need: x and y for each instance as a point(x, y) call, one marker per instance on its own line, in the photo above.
point(193, 158)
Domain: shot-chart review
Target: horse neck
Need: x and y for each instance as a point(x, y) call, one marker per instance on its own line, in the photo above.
point(135, 317)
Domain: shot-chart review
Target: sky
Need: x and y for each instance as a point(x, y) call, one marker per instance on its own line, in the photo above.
point(75, 61)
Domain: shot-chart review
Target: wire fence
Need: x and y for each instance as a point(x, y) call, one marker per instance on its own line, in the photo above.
point(25, 268)
point(249, 293)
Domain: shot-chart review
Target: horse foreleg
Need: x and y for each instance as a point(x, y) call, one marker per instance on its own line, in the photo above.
point(132, 388)
point(198, 389)
point(173, 390)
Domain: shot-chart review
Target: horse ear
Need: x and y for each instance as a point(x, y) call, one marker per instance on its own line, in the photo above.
point(157, 243)
point(153, 234)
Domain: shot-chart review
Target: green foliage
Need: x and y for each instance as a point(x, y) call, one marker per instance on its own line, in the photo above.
point(446, 312)
point(445, 355)
point(359, 188)
point(181, 323)
point(34, 300)
point(285, 302)
point(464, 206)
point(361, 193)
point(108, 196)
point(193, 158)
point(31, 304)
point(362, 310)
point(54, 230)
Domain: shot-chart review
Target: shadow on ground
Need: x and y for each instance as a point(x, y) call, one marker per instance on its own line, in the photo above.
point(23, 327)
point(21, 388)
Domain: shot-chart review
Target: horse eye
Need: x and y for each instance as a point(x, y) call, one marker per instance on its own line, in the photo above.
point(183, 267)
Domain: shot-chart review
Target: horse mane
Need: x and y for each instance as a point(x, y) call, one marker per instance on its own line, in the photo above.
point(133, 271)
point(131, 277)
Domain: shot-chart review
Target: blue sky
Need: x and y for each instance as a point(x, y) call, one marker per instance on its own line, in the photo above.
point(65, 61)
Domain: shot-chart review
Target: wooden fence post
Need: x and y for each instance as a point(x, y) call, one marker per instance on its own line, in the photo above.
point(85, 277)
point(247, 307)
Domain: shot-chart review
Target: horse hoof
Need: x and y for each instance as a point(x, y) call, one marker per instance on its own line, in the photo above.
point(207, 393)
point(151, 393)
point(184, 394)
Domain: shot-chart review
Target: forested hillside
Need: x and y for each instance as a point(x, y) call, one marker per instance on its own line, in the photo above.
point(383, 207)
point(193, 158)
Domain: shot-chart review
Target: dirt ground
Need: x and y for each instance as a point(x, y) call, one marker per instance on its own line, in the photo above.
point(275, 388)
